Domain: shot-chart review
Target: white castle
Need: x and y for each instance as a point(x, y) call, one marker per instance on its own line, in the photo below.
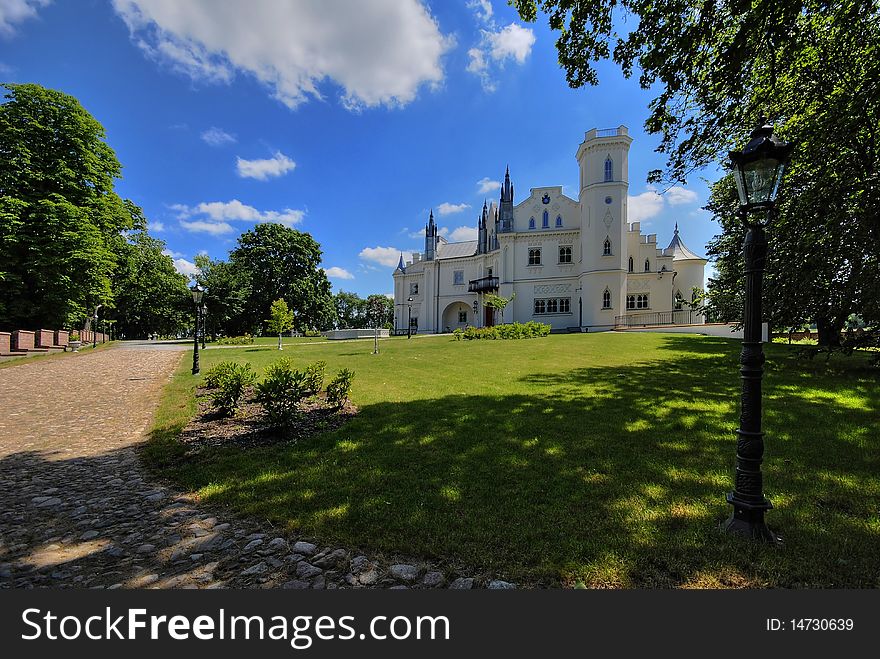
point(577, 265)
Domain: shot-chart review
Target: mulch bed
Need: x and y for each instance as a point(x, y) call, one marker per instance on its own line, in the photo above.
point(248, 428)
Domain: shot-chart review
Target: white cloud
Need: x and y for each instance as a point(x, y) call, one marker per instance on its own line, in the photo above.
point(338, 273)
point(463, 233)
point(387, 256)
point(390, 296)
point(448, 209)
point(677, 195)
point(16, 11)
point(217, 137)
point(482, 9)
point(379, 52)
point(486, 185)
point(201, 226)
point(172, 253)
point(227, 211)
point(644, 206)
point(496, 46)
point(156, 227)
point(513, 41)
point(185, 267)
point(418, 234)
point(277, 165)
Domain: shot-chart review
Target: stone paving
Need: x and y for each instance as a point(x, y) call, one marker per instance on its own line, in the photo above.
point(78, 510)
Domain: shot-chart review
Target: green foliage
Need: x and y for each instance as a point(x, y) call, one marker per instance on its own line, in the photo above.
point(353, 312)
point(227, 290)
point(283, 263)
point(527, 330)
point(231, 385)
point(61, 223)
point(280, 392)
point(214, 376)
point(243, 340)
point(315, 377)
point(312, 333)
point(497, 302)
point(339, 388)
point(151, 297)
point(280, 317)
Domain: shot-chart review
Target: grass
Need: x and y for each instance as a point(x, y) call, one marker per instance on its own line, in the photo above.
point(597, 459)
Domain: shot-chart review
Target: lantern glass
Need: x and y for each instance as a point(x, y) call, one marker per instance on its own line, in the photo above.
point(757, 182)
point(197, 293)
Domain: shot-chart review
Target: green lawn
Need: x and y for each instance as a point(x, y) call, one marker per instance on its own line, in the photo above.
point(600, 459)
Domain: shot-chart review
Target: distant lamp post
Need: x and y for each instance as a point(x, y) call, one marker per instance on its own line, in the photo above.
point(204, 315)
point(409, 319)
point(757, 170)
point(95, 328)
point(197, 293)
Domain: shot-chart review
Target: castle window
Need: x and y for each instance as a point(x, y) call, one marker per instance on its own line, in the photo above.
point(679, 301)
point(413, 289)
point(609, 169)
point(606, 299)
point(552, 305)
point(534, 257)
point(630, 301)
point(558, 220)
point(462, 316)
point(642, 302)
point(458, 277)
point(531, 223)
point(540, 306)
point(565, 254)
point(647, 265)
point(630, 264)
point(606, 247)
point(565, 305)
point(545, 221)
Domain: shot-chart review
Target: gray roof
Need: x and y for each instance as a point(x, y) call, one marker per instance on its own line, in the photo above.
point(456, 250)
point(680, 251)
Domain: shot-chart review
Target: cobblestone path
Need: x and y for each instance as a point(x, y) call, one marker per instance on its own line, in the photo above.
point(78, 510)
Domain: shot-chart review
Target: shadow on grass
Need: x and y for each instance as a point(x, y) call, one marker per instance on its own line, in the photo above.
point(613, 476)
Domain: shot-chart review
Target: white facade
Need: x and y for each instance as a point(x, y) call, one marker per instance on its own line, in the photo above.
point(570, 263)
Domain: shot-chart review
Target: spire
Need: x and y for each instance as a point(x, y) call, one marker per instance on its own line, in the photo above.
point(676, 228)
point(400, 265)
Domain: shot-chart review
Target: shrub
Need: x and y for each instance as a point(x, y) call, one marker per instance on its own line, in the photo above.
point(457, 333)
point(230, 387)
point(216, 374)
point(527, 330)
point(315, 377)
point(247, 339)
point(312, 333)
point(280, 392)
point(339, 388)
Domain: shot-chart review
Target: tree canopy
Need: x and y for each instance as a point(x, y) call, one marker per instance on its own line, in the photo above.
point(61, 223)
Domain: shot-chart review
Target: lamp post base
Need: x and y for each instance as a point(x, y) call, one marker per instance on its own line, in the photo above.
point(747, 520)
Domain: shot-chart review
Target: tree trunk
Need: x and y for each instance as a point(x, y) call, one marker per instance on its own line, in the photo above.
point(279, 341)
point(829, 331)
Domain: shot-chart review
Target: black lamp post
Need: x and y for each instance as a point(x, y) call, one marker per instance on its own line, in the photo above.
point(197, 293)
point(95, 328)
point(476, 309)
point(204, 314)
point(409, 319)
point(757, 170)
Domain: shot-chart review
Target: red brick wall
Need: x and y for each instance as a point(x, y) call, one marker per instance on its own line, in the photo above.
point(46, 338)
point(23, 340)
point(5, 343)
point(61, 337)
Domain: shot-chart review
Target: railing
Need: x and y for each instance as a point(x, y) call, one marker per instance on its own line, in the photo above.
point(483, 284)
point(607, 132)
point(677, 317)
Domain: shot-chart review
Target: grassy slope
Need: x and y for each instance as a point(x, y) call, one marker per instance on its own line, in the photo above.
point(602, 459)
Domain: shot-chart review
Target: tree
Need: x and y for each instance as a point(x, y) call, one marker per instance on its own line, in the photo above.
point(813, 67)
point(150, 296)
point(497, 302)
point(226, 293)
point(280, 319)
point(280, 262)
point(380, 310)
point(61, 223)
point(350, 309)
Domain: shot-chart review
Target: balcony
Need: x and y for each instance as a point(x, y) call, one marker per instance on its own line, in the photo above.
point(483, 285)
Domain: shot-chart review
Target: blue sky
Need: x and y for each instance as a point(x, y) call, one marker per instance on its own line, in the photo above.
point(346, 120)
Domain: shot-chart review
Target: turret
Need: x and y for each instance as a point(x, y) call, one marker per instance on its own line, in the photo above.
point(400, 265)
point(430, 238)
point(505, 212)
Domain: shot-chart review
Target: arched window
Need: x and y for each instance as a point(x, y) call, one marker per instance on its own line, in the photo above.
point(630, 264)
point(565, 254)
point(609, 169)
point(679, 301)
point(647, 265)
point(606, 299)
point(606, 247)
point(531, 223)
point(630, 301)
point(545, 223)
point(559, 220)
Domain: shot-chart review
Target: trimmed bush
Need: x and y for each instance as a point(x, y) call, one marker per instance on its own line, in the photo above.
point(244, 340)
point(339, 388)
point(230, 387)
point(527, 330)
point(315, 377)
point(280, 392)
point(216, 374)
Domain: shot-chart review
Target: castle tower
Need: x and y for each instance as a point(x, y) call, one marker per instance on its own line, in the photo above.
point(430, 238)
point(505, 212)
